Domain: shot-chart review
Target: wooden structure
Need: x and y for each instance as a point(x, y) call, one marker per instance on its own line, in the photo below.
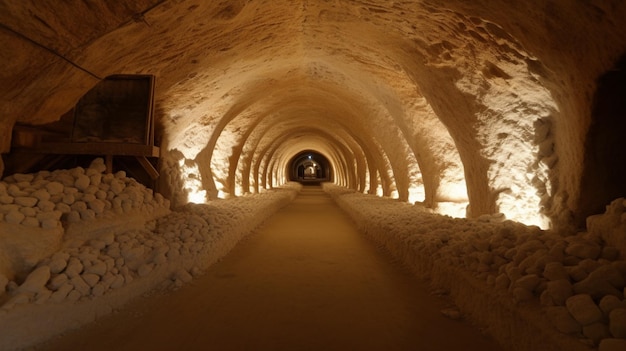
point(115, 118)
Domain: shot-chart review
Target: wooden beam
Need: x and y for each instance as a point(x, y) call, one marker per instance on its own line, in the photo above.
point(118, 149)
point(108, 163)
point(152, 172)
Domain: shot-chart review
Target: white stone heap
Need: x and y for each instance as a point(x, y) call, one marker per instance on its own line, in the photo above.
point(539, 289)
point(39, 212)
point(114, 240)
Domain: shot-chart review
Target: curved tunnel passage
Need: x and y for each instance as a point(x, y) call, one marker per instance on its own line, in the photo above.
point(310, 167)
point(498, 110)
point(467, 108)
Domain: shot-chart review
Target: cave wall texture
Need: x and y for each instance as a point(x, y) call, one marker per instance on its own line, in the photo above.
point(446, 102)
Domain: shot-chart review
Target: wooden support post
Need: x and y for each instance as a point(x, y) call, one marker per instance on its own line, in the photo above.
point(108, 162)
point(152, 172)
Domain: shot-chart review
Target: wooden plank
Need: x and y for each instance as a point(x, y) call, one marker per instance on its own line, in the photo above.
point(117, 109)
point(152, 172)
point(117, 149)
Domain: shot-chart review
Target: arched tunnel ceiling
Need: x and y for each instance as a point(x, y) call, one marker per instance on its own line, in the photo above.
point(486, 102)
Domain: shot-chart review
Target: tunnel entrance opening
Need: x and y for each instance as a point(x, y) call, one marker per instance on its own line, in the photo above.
point(604, 168)
point(310, 168)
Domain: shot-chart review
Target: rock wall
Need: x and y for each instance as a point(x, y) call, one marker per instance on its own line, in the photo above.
point(490, 102)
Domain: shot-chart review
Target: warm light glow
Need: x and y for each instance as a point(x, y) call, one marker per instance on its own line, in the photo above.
point(416, 193)
point(198, 197)
point(192, 181)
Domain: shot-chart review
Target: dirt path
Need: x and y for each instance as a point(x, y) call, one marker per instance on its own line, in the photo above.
point(305, 281)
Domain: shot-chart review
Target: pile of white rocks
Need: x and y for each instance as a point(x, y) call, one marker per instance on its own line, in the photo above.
point(100, 266)
point(576, 281)
point(45, 198)
point(111, 262)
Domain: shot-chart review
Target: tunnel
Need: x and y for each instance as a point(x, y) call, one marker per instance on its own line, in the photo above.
point(476, 137)
point(310, 167)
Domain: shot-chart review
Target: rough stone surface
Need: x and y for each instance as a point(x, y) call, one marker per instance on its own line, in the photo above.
point(617, 323)
point(461, 97)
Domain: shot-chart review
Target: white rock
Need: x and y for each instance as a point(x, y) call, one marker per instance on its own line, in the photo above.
point(596, 332)
point(107, 280)
point(18, 299)
point(521, 294)
point(69, 199)
point(52, 215)
point(57, 265)
point(73, 217)
point(598, 284)
point(584, 250)
point(117, 186)
point(19, 177)
point(98, 165)
point(617, 323)
point(61, 293)
point(99, 268)
point(96, 179)
point(611, 302)
point(528, 282)
point(54, 188)
point(559, 291)
point(15, 191)
point(101, 195)
point(97, 206)
point(74, 296)
point(98, 290)
point(36, 280)
point(555, 271)
point(26, 201)
point(183, 276)
point(563, 320)
point(583, 309)
point(196, 271)
point(91, 279)
point(612, 345)
point(80, 285)
point(118, 282)
point(31, 222)
point(60, 255)
point(589, 265)
point(74, 267)
point(46, 205)
point(79, 206)
point(29, 211)
point(14, 217)
point(82, 182)
point(107, 238)
point(43, 296)
point(41, 194)
point(92, 190)
point(57, 282)
point(577, 273)
point(87, 215)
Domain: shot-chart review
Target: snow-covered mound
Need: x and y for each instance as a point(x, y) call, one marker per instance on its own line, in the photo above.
point(111, 251)
point(532, 289)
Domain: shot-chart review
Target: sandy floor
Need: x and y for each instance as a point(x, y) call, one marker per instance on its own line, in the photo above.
point(305, 281)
